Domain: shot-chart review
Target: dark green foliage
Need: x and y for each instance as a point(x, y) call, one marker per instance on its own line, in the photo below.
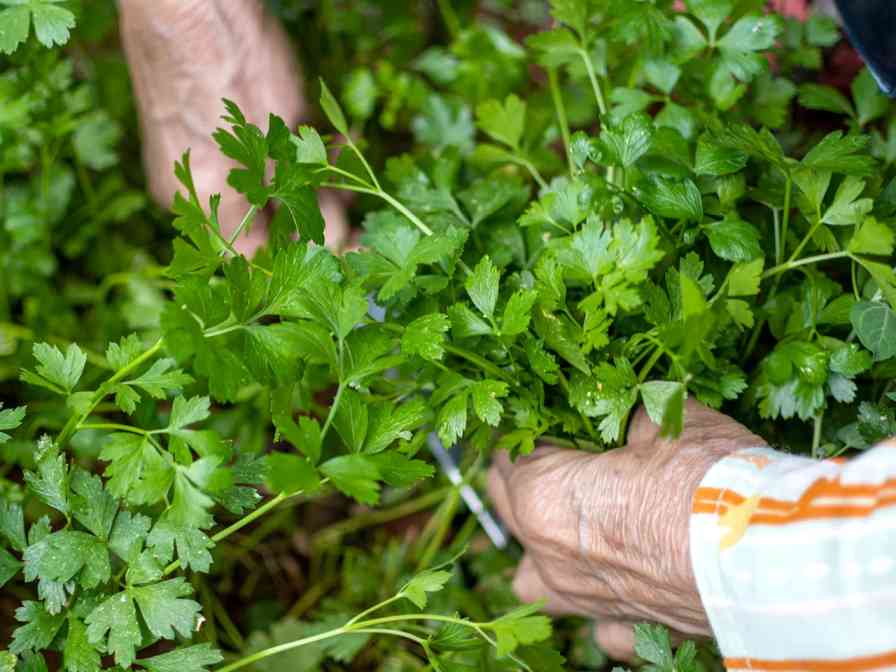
point(648, 224)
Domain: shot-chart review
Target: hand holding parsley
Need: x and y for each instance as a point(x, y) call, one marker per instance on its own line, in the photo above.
point(184, 56)
point(607, 535)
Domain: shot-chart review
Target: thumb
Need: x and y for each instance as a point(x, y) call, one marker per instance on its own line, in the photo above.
point(616, 639)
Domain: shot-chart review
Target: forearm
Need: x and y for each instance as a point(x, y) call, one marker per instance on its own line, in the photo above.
point(775, 536)
point(184, 57)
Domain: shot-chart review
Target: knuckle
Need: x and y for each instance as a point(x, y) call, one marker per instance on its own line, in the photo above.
point(524, 588)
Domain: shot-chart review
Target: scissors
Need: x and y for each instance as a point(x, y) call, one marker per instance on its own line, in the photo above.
point(449, 459)
point(871, 27)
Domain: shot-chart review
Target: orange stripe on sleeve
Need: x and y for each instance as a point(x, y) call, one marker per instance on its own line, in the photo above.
point(813, 504)
point(857, 664)
point(718, 495)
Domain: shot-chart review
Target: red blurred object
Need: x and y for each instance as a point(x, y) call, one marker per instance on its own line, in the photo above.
point(843, 65)
point(798, 9)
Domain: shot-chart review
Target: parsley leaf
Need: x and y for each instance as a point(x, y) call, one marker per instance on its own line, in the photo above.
point(10, 418)
point(482, 286)
point(52, 23)
point(56, 371)
point(196, 658)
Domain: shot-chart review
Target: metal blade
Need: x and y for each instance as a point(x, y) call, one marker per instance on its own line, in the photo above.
point(448, 462)
point(490, 526)
point(871, 27)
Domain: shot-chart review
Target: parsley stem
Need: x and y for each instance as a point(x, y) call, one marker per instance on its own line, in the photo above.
point(366, 165)
point(220, 331)
point(251, 516)
point(394, 633)
point(595, 85)
point(533, 171)
point(344, 173)
point(407, 213)
point(246, 520)
point(360, 627)
point(398, 205)
point(804, 241)
point(654, 358)
point(449, 18)
point(332, 413)
point(375, 607)
point(247, 218)
point(776, 223)
point(441, 618)
point(575, 443)
point(333, 533)
point(562, 121)
point(238, 525)
point(790, 265)
point(74, 421)
point(816, 434)
point(788, 187)
point(113, 426)
point(386, 197)
point(444, 517)
point(482, 363)
point(280, 648)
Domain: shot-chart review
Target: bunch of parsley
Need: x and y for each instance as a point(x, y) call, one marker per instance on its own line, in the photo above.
point(650, 221)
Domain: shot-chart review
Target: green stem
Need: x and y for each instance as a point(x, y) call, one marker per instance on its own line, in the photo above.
point(374, 608)
point(449, 17)
point(230, 248)
point(654, 358)
point(280, 648)
point(804, 241)
point(446, 515)
point(74, 422)
point(407, 213)
point(788, 187)
point(332, 413)
point(386, 197)
point(394, 633)
point(595, 85)
point(344, 173)
point(419, 617)
point(370, 626)
point(240, 524)
point(335, 532)
point(790, 265)
point(481, 362)
point(560, 110)
point(533, 171)
point(227, 624)
point(816, 434)
point(220, 331)
point(574, 443)
point(114, 427)
point(776, 222)
point(253, 515)
point(250, 214)
point(366, 165)
point(208, 601)
point(310, 597)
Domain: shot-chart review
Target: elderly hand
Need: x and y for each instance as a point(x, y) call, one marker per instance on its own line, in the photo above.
point(185, 56)
point(606, 535)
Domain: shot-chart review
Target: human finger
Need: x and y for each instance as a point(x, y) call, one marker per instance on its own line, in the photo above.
point(497, 490)
point(616, 639)
point(529, 586)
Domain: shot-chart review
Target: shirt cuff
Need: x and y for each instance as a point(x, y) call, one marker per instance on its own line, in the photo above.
point(722, 508)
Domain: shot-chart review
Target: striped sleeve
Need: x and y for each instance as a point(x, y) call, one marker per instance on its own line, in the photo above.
point(795, 560)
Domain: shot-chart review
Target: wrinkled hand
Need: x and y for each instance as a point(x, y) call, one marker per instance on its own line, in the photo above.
point(607, 535)
point(185, 56)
